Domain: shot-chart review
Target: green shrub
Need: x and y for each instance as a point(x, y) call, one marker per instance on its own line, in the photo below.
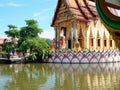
point(31, 57)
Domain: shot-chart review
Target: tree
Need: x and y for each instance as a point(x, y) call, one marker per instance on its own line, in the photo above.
point(49, 41)
point(31, 30)
point(29, 40)
point(12, 32)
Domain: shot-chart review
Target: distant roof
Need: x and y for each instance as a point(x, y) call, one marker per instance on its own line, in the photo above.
point(4, 40)
point(82, 10)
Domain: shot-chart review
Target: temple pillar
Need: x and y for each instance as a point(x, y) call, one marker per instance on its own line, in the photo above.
point(58, 37)
point(56, 43)
point(88, 41)
point(71, 34)
point(113, 43)
point(67, 34)
point(88, 38)
point(118, 43)
point(102, 43)
point(84, 29)
point(95, 43)
point(108, 43)
point(75, 31)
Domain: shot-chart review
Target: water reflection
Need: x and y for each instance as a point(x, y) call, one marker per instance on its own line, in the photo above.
point(60, 76)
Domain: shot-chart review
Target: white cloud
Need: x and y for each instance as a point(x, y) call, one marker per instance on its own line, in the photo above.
point(48, 34)
point(42, 14)
point(14, 4)
point(46, 10)
point(39, 16)
point(36, 14)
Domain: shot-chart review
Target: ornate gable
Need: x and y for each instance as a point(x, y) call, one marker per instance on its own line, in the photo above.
point(81, 10)
point(62, 12)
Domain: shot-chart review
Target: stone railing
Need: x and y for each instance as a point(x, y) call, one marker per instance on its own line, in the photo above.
point(85, 57)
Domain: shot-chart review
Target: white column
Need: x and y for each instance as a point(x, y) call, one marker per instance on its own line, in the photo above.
point(88, 43)
point(75, 31)
point(71, 34)
point(95, 40)
point(56, 37)
point(108, 43)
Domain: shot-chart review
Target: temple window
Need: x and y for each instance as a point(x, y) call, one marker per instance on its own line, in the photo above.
point(80, 42)
point(98, 42)
point(110, 43)
point(105, 43)
point(91, 41)
point(69, 44)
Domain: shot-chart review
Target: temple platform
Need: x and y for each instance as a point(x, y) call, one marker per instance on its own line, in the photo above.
point(68, 57)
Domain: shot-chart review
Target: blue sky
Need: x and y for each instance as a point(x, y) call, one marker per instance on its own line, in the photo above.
point(17, 11)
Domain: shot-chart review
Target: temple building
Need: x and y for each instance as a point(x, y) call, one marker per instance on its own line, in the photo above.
point(77, 20)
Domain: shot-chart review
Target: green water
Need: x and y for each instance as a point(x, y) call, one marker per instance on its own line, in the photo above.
point(60, 77)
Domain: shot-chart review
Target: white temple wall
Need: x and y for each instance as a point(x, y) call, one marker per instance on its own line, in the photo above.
point(92, 30)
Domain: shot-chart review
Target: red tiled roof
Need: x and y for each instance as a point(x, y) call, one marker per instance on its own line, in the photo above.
point(81, 9)
point(2, 40)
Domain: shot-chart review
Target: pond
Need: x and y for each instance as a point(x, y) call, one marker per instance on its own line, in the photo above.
point(104, 76)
